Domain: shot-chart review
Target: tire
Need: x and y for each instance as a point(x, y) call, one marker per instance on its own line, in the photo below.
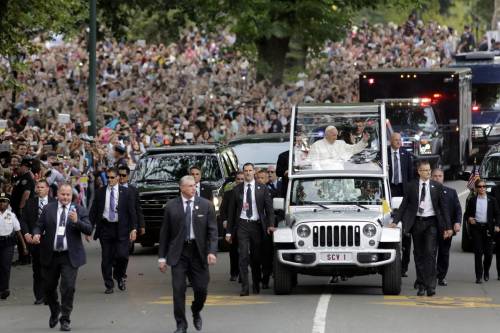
point(466, 240)
point(391, 275)
point(283, 277)
point(131, 248)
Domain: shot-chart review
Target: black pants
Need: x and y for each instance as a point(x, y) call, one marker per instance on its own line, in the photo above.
point(234, 257)
point(6, 255)
point(406, 248)
point(60, 267)
point(443, 257)
point(37, 271)
point(250, 248)
point(114, 255)
point(425, 233)
point(267, 258)
point(190, 264)
point(497, 251)
point(481, 243)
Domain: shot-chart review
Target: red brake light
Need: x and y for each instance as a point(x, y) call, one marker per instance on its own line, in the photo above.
point(371, 80)
point(475, 108)
point(425, 101)
point(436, 96)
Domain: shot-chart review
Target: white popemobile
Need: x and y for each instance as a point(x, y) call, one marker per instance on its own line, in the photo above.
point(336, 210)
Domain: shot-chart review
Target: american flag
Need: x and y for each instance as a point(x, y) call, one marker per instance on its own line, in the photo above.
point(473, 177)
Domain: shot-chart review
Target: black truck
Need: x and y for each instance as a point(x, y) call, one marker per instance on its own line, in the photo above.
point(431, 108)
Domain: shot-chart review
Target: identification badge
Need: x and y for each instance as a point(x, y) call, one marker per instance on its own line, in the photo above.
point(245, 206)
point(61, 230)
point(8, 220)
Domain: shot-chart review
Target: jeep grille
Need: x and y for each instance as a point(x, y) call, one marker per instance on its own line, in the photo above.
point(337, 236)
point(153, 206)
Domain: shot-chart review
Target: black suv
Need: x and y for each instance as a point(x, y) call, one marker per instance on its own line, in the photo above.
point(158, 173)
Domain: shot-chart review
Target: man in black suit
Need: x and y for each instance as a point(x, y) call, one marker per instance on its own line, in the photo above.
point(201, 189)
point(250, 216)
point(124, 173)
point(274, 184)
point(59, 233)
point(188, 243)
point(282, 171)
point(455, 213)
point(496, 230)
point(31, 213)
point(400, 174)
point(227, 198)
point(424, 214)
point(115, 219)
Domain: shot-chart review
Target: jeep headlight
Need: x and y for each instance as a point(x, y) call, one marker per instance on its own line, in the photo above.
point(494, 131)
point(303, 231)
point(369, 230)
point(425, 147)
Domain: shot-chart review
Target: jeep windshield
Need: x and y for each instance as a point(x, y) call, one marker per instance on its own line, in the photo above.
point(411, 119)
point(490, 168)
point(171, 167)
point(343, 191)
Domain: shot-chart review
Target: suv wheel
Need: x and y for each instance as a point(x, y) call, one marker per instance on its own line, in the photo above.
point(391, 274)
point(283, 277)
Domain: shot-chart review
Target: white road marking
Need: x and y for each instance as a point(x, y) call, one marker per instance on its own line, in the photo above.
point(463, 193)
point(319, 322)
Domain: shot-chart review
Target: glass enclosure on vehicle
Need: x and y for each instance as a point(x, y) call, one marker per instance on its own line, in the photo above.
point(490, 168)
point(337, 137)
point(172, 167)
point(338, 191)
point(411, 118)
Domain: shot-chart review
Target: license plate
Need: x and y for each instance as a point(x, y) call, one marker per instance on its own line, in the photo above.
point(336, 257)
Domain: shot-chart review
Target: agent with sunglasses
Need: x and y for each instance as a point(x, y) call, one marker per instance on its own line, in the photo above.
point(114, 216)
point(482, 215)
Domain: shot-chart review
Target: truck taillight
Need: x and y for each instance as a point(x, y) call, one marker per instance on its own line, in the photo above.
point(371, 81)
point(475, 108)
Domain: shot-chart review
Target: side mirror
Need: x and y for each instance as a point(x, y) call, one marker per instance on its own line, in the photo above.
point(279, 203)
point(396, 202)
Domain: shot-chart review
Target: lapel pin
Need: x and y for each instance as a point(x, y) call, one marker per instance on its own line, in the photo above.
point(195, 207)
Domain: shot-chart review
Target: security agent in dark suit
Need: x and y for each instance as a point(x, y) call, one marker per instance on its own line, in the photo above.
point(455, 213)
point(59, 233)
point(282, 171)
point(227, 198)
point(31, 213)
point(188, 243)
point(483, 215)
point(115, 219)
point(495, 191)
point(201, 189)
point(250, 216)
point(123, 175)
point(400, 174)
point(424, 214)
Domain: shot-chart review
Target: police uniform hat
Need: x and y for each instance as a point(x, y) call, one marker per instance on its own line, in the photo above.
point(4, 197)
point(120, 149)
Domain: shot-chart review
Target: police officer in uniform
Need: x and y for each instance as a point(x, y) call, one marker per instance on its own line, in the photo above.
point(9, 229)
point(24, 188)
point(119, 154)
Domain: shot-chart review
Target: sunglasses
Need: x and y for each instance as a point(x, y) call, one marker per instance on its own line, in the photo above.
point(112, 177)
point(123, 175)
point(481, 186)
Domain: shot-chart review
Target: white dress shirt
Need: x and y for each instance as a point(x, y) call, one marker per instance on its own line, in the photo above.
point(191, 204)
point(59, 211)
point(105, 214)
point(8, 223)
point(481, 209)
point(255, 213)
point(427, 204)
point(399, 166)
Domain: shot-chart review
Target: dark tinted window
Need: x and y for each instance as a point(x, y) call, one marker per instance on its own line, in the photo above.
point(172, 167)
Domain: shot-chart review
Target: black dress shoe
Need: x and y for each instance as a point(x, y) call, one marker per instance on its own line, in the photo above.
point(53, 320)
point(65, 326)
point(421, 291)
point(39, 301)
point(478, 281)
point(431, 292)
point(5, 294)
point(121, 285)
point(108, 291)
point(233, 278)
point(256, 289)
point(498, 278)
point(486, 277)
point(404, 274)
point(197, 322)
point(443, 282)
point(244, 292)
point(180, 330)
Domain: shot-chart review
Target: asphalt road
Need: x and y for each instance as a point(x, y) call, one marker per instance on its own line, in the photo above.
point(355, 305)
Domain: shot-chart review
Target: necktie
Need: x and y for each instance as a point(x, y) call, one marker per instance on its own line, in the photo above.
point(112, 212)
point(249, 201)
point(41, 204)
point(396, 168)
point(187, 219)
point(62, 223)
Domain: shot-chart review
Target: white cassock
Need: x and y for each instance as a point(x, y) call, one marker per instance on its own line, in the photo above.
point(325, 155)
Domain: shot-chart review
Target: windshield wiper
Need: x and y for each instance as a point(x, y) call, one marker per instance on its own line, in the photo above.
point(355, 204)
point(315, 203)
point(153, 181)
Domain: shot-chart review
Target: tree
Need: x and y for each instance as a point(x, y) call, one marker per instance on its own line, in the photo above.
point(20, 21)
